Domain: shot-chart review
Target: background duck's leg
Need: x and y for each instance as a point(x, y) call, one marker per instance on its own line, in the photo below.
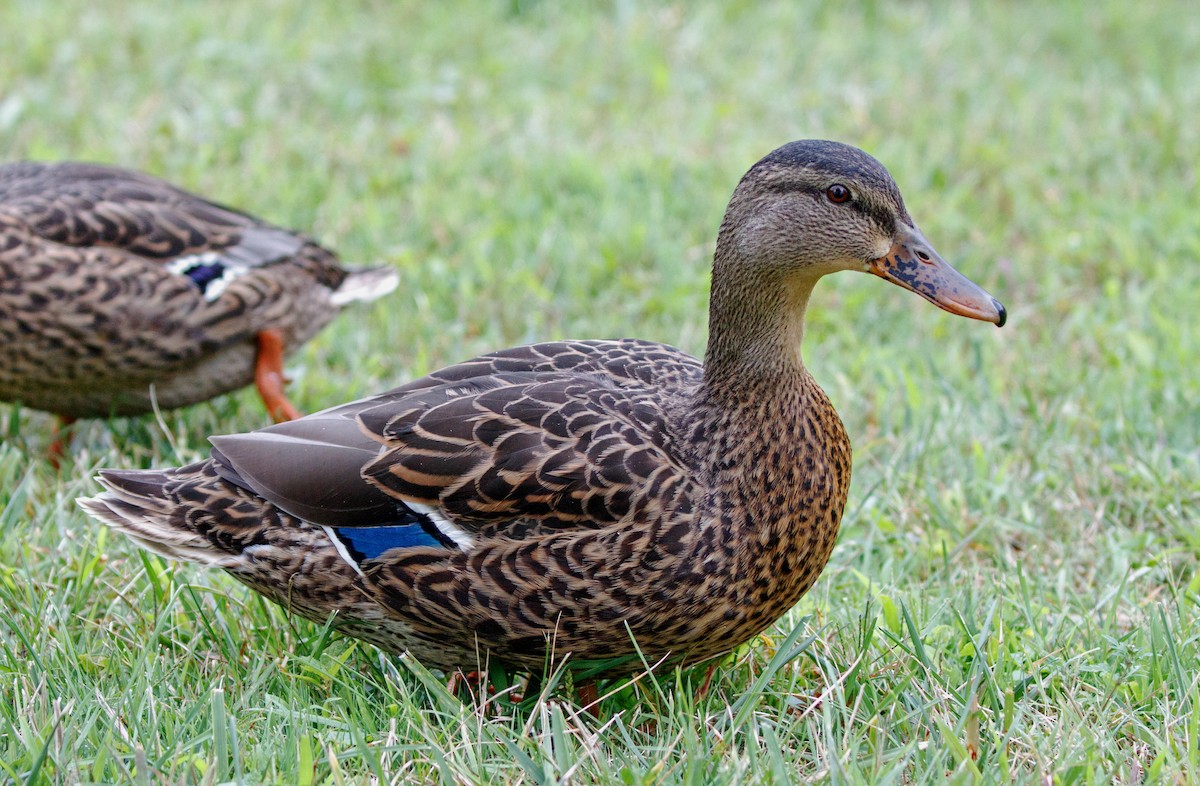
point(269, 379)
point(62, 436)
point(471, 679)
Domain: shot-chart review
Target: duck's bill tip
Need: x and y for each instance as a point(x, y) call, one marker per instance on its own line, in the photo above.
point(985, 309)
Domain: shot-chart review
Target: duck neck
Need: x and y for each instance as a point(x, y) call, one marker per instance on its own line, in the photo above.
point(756, 325)
point(775, 453)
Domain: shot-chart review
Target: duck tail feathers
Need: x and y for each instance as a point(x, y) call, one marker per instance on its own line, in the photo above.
point(136, 504)
point(366, 284)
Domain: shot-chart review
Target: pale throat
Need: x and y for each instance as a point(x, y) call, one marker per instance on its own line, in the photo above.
point(758, 332)
point(798, 292)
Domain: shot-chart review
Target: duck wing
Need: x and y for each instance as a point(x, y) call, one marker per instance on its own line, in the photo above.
point(474, 451)
point(89, 206)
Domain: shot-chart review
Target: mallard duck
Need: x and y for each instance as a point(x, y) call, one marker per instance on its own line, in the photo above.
point(567, 499)
point(119, 291)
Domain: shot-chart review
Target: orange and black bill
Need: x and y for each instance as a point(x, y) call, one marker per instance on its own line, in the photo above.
point(913, 264)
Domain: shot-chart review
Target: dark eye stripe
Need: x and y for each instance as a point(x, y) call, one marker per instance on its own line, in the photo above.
point(883, 216)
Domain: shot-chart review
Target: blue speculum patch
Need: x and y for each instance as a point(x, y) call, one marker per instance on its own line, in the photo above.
point(205, 273)
point(369, 542)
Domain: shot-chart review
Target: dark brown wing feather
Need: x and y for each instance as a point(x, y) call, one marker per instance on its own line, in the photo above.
point(565, 433)
point(112, 281)
point(570, 449)
point(89, 205)
point(625, 362)
point(497, 443)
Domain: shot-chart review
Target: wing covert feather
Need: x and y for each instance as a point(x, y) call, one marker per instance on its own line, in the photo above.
point(545, 432)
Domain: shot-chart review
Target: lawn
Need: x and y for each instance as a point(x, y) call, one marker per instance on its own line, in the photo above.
point(1015, 592)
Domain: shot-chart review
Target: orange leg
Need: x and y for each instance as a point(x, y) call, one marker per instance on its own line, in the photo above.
point(471, 679)
point(62, 435)
point(268, 376)
point(589, 697)
point(708, 675)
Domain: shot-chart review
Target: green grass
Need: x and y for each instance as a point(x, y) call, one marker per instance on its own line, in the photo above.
point(1014, 596)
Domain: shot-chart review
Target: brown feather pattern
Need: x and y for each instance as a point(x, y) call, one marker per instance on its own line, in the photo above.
point(596, 492)
point(92, 313)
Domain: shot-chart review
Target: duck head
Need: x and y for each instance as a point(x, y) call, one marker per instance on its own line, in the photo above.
point(815, 207)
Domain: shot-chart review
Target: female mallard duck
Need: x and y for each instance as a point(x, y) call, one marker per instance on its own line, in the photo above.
point(568, 498)
point(118, 290)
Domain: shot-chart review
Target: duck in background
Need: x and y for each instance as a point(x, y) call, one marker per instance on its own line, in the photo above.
point(120, 292)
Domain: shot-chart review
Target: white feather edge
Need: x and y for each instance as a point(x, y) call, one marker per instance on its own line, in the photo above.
point(460, 536)
point(232, 269)
point(341, 550)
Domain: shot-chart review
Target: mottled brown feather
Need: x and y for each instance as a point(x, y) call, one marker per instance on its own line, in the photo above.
point(91, 314)
point(607, 491)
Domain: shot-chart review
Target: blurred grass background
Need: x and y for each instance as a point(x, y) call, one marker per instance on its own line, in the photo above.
point(1014, 594)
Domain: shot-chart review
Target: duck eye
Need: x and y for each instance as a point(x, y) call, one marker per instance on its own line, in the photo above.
point(838, 193)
